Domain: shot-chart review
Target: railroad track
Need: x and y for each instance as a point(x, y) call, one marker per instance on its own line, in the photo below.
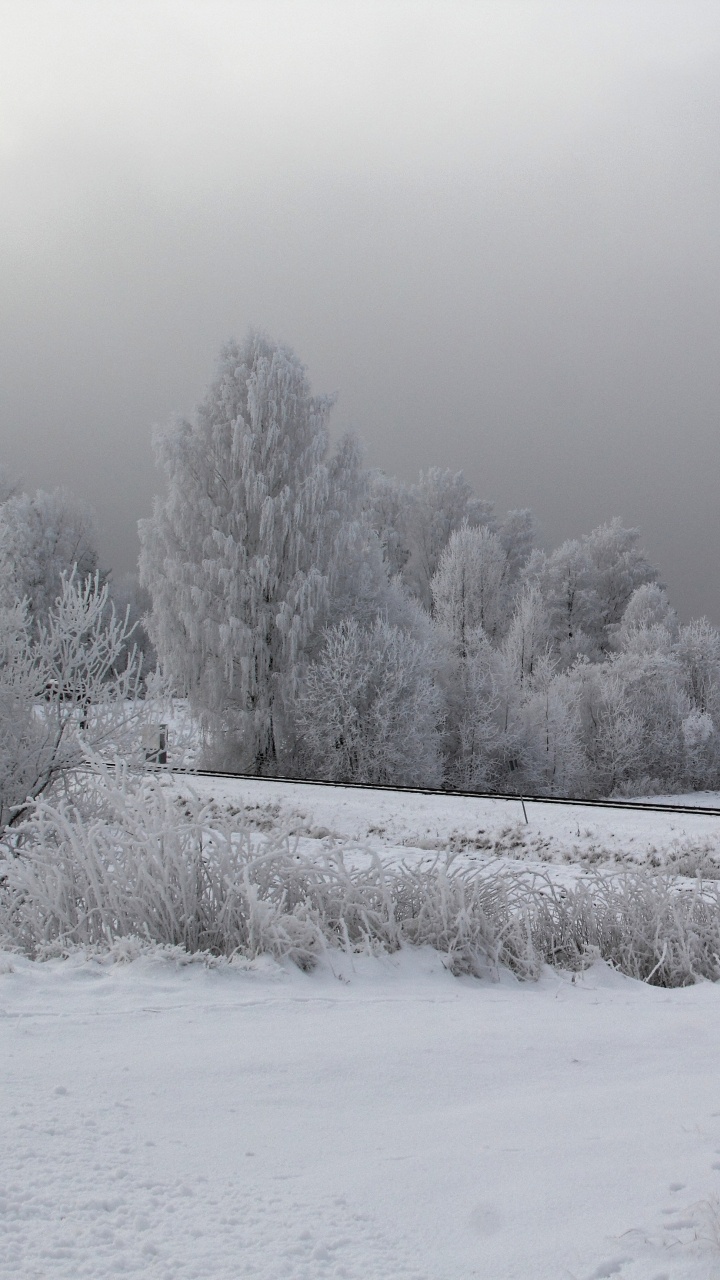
point(641, 806)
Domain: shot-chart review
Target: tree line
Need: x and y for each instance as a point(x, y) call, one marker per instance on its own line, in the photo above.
point(325, 620)
point(329, 621)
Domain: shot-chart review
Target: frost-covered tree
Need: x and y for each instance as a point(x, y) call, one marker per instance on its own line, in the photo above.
point(702, 750)
point(440, 503)
point(388, 503)
point(469, 586)
point(240, 555)
point(619, 566)
point(369, 710)
point(43, 537)
point(649, 607)
point(469, 601)
point(132, 601)
point(649, 623)
point(698, 652)
point(491, 725)
point(612, 729)
point(527, 641)
point(550, 729)
point(586, 584)
point(517, 532)
point(515, 664)
point(415, 523)
point(60, 692)
point(632, 708)
point(474, 592)
point(565, 579)
point(473, 736)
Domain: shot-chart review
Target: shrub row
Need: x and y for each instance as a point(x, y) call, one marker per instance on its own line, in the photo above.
point(135, 859)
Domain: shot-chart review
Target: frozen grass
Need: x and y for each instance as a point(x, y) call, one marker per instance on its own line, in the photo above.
point(136, 860)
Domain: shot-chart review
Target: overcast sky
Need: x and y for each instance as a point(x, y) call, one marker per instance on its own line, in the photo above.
point(492, 227)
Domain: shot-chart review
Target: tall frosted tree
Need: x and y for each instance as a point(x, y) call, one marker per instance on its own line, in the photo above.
point(239, 556)
point(698, 652)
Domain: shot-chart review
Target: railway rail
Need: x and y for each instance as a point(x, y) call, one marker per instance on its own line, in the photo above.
point(642, 806)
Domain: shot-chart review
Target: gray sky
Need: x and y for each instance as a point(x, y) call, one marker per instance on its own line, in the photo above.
point(493, 227)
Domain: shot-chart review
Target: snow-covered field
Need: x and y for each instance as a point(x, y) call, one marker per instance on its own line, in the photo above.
point(377, 1119)
point(417, 828)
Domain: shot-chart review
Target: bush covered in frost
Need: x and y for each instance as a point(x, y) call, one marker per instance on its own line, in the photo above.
point(139, 860)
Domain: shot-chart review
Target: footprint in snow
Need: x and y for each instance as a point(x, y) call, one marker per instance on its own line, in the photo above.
point(485, 1220)
point(612, 1267)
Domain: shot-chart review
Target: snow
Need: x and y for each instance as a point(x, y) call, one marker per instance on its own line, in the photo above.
point(405, 826)
point(377, 1119)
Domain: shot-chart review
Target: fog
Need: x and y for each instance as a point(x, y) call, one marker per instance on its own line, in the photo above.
point(491, 227)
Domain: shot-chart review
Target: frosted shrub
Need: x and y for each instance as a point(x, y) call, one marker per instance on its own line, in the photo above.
point(646, 926)
point(151, 864)
point(179, 871)
point(468, 917)
point(142, 861)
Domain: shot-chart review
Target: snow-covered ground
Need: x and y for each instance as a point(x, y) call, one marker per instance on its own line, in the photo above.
point(377, 1119)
